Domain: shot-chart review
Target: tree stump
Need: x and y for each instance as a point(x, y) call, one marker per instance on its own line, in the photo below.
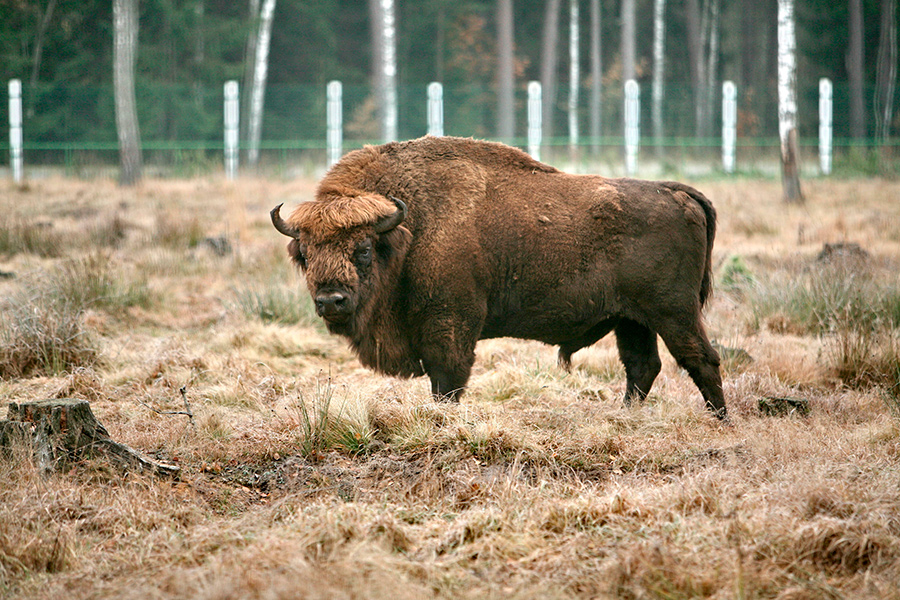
point(64, 429)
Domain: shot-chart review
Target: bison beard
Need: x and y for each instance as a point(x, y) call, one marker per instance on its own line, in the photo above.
point(416, 250)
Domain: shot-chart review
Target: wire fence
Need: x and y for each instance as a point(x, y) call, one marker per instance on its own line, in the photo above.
point(182, 127)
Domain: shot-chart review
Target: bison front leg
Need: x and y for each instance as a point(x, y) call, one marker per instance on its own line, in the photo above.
point(447, 357)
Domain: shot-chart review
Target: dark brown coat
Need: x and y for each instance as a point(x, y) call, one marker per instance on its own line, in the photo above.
point(416, 250)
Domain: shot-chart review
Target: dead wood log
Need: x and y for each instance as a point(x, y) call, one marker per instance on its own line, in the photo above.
point(62, 430)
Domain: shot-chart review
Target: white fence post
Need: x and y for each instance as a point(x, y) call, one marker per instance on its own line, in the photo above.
point(435, 108)
point(534, 119)
point(825, 116)
point(729, 125)
point(232, 117)
point(334, 115)
point(632, 125)
point(15, 128)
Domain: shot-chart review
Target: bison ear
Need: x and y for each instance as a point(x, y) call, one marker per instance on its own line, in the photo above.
point(391, 221)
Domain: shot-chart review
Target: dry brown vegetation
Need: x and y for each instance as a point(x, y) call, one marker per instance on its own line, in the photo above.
point(307, 476)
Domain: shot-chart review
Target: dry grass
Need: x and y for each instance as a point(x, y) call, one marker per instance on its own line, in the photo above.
point(307, 476)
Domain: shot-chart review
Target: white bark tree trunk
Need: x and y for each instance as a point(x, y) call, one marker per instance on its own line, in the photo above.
point(574, 80)
point(628, 40)
point(506, 124)
point(596, 75)
point(787, 102)
point(258, 89)
point(659, 57)
point(388, 90)
point(249, 64)
point(125, 34)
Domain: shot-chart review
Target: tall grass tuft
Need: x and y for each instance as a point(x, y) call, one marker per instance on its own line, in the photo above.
point(43, 336)
point(21, 236)
point(825, 297)
point(42, 331)
point(322, 426)
point(276, 303)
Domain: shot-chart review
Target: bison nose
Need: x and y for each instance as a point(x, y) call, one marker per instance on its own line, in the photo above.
point(332, 304)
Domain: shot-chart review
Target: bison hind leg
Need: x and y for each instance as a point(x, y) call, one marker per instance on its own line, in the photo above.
point(588, 338)
point(639, 352)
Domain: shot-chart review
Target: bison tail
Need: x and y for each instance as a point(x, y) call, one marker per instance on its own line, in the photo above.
point(706, 285)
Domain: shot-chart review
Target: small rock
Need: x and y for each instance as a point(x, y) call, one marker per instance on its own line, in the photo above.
point(781, 407)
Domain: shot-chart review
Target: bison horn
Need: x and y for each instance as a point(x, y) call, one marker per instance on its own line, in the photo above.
point(392, 220)
point(280, 225)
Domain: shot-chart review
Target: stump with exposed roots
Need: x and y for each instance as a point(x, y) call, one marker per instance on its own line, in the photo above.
point(63, 430)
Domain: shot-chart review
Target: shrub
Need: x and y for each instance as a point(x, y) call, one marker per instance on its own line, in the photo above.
point(824, 297)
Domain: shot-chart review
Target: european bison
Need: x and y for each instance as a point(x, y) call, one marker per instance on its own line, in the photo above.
point(416, 250)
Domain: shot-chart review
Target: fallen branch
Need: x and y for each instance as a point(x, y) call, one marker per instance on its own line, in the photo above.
point(187, 412)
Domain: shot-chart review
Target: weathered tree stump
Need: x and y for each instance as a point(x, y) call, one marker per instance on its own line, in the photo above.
point(62, 430)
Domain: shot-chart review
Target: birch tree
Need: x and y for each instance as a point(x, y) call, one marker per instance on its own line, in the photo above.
point(787, 102)
point(249, 64)
point(628, 40)
point(659, 44)
point(596, 99)
point(855, 66)
point(258, 86)
point(549, 42)
point(506, 124)
point(574, 79)
point(886, 70)
point(384, 64)
point(125, 35)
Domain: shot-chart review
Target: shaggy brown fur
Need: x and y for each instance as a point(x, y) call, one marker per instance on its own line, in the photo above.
point(496, 244)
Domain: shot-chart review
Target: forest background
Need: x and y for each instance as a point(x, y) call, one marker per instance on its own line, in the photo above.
point(62, 51)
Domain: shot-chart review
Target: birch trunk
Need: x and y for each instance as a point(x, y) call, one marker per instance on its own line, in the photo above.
point(659, 45)
point(506, 125)
point(548, 66)
point(258, 89)
point(855, 66)
point(574, 81)
point(886, 74)
point(125, 33)
point(787, 103)
point(249, 64)
point(388, 67)
point(628, 41)
point(596, 76)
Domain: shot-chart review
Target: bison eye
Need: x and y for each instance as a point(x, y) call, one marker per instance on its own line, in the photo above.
point(363, 254)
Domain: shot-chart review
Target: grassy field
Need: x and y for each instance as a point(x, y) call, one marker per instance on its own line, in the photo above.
point(306, 476)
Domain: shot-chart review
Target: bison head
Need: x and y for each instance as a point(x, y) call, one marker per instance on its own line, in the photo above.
point(349, 248)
